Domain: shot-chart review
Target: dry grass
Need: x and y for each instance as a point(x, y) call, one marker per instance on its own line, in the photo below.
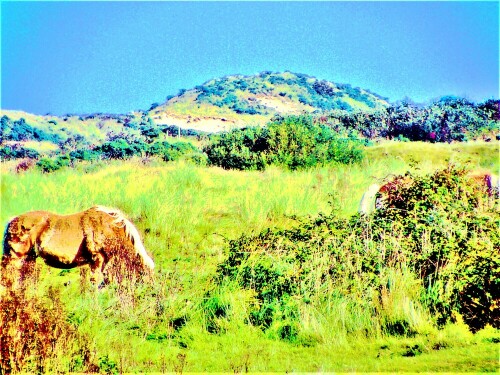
point(36, 336)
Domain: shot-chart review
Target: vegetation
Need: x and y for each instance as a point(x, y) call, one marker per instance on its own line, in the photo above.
point(295, 142)
point(232, 290)
point(239, 93)
point(21, 131)
point(440, 241)
point(448, 119)
point(262, 262)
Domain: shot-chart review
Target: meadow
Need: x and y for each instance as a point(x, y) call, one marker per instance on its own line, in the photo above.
point(187, 214)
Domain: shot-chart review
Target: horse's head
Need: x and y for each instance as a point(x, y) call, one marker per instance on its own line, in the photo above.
point(22, 232)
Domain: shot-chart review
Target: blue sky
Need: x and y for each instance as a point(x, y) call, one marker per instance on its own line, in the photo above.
point(83, 57)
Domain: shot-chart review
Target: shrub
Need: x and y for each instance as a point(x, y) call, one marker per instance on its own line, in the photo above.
point(8, 152)
point(48, 165)
point(85, 154)
point(238, 149)
point(119, 149)
point(20, 130)
point(171, 151)
point(442, 237)
point(35, 335)
point(451, 225)
point(295, 142)
point(150, 132)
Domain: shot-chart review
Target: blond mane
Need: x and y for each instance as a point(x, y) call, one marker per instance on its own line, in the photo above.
point(120, 220)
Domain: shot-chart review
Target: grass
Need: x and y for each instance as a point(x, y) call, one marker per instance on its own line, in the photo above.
point(428, 156)
point(185, 214)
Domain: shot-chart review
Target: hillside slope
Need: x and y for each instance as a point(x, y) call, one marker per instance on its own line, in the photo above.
point(238, 101)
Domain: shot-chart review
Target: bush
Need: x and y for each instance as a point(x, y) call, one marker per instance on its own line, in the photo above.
point(442, 237)
point(48, 165)
point(20, 130)
point(85, 154)
point(35, 335)
point(238, 149)
point(9, 152)
point(120, 149)
point(295, 142)
point(457, 217)
point(174, 151)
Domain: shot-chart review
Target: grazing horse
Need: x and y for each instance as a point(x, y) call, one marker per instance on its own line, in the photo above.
point(374, 197)
point(90, 237)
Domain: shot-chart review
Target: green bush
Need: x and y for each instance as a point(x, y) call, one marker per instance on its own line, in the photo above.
point(450, 222)
point(295, 142)
point(238, 149)
point(85, 154)
point(445, 120)
point(174, 151)
point(121, 149)
point(20, 130)
point(443, 234)
point(48, 165)
point(8, 152)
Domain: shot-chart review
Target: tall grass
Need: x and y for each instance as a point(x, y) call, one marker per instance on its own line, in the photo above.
point(185, 214)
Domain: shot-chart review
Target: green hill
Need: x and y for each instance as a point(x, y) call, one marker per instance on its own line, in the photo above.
point(237, 101)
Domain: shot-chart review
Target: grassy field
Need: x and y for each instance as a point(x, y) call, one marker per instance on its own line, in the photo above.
point(185, 214)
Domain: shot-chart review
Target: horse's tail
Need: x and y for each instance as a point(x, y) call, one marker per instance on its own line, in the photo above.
point(367, 204)
point(130, 231)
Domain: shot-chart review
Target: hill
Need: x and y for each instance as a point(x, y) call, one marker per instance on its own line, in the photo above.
point(237, 101)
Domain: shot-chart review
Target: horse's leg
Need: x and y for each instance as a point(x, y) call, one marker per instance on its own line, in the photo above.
point(96, 268)
point(96, 258)
point(28, 275)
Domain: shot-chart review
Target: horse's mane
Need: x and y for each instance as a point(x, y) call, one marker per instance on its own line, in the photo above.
point(131, 232)
point(366, 205)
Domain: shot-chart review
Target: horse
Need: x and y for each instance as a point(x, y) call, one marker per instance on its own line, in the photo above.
point(376, 194)
point(373, 198)
point(92, 237)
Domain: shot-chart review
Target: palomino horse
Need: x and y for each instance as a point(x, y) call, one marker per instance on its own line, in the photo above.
point(90, 237)
point(374, 197)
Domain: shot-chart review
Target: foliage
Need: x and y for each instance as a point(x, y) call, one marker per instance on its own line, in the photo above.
point(439, 228)
point(298, 142)
point(8, 152)
point(171, 151)
point(239, 149)
point(295, 142)
point(460, 218)
point(34, 333)
point(85, 154)
point(48, 165)
point(448, 119)
point(120, 149)
point(20, 130)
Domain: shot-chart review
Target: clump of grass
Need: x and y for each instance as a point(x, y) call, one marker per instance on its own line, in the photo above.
point(36, 337)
